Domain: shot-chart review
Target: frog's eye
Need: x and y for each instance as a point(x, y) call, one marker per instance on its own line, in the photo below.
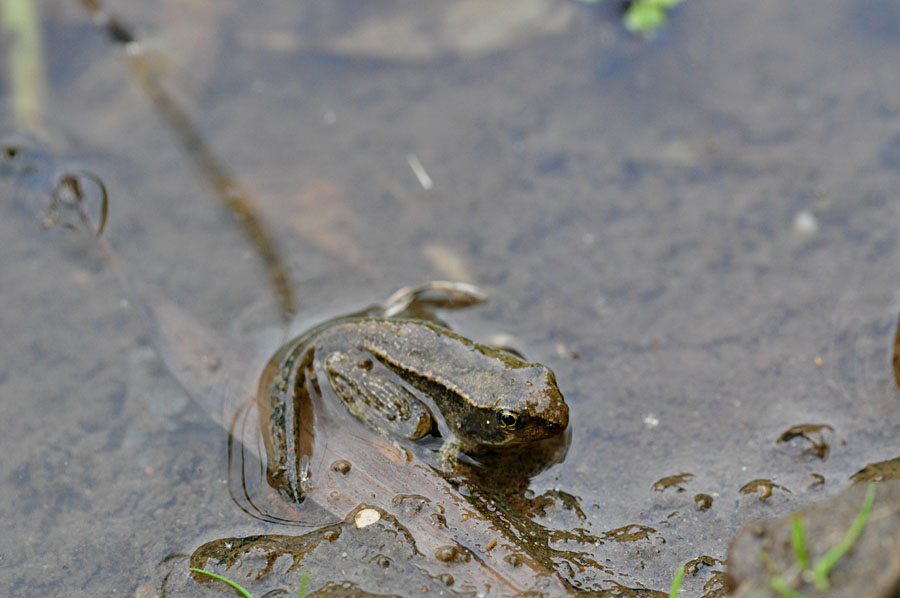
point(508, 420)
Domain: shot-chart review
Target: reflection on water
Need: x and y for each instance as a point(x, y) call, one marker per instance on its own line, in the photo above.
point(60, 195)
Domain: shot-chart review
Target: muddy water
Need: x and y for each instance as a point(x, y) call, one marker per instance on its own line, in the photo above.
point(697, 233)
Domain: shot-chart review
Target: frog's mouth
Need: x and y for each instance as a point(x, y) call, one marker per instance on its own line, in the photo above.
point(549, 428)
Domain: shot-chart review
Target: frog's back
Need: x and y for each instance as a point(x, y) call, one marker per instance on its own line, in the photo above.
point(488, 396)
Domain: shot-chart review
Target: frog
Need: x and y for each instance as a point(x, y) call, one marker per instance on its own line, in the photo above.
point(403, 373)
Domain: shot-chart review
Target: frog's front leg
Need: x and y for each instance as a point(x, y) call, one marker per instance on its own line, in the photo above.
point(450, 455)
point(376, 396)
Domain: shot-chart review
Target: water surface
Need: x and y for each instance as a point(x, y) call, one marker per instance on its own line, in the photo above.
point(698, 233)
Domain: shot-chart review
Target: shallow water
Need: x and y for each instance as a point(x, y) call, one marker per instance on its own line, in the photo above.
point(637, 211)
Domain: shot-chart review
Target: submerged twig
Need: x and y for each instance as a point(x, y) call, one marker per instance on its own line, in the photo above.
point(231, 193)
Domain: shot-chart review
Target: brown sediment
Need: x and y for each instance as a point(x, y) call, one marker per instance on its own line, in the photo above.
point(672, 481)
point(762, 487)
point(813, 434)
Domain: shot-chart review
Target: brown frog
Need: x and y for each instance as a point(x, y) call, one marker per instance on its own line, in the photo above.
point(317, 451)
point(406, 375)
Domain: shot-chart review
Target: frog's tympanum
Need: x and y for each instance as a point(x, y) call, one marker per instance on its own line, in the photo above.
point(406, 375)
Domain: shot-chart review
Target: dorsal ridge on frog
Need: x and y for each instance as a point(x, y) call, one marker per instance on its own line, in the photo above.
point(404, 374)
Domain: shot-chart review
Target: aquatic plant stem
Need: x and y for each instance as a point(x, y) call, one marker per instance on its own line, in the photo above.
point(304, 584)
point(233, 584)
point(825, 564)
point(676, 582)
point(818, 574)
point(798, 541)
point(20, 24)
point(779, 585)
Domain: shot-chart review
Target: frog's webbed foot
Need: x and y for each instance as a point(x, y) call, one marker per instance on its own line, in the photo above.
point(418, 302)
point(448, 460)
point(451, 456)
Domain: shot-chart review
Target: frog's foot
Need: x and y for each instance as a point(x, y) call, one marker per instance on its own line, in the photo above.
point(451, 456)
point(376, 396)
point(437, 294)
point(448, 462)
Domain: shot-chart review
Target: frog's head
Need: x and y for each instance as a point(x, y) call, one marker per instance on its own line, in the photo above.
point(527, 406)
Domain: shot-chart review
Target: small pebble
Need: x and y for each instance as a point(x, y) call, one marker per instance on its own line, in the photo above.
point(366, 517)
point(805, 223)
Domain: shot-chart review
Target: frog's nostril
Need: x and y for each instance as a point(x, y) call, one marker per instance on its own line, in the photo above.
point(556, 424)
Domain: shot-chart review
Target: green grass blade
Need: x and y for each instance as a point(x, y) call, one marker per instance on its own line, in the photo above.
point(825, 564)
point(798, 541)
point(646, 16)
point(779, 585)
point(676, 583)
point(20, 24)
point(233, 584)
point(304, 584)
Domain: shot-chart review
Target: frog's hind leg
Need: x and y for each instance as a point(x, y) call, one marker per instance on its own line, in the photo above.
point(419, 302)
point(377, 397)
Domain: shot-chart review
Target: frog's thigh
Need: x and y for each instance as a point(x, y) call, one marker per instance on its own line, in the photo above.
point(376, 395)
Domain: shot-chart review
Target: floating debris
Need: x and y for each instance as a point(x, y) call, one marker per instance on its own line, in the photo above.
point(703, 501)
point(813, 434)
point(629, 533)
point(694, 566)
point(805, 223)
point(420, 172)
point(762, 487)
point(75, 195)
point(672, 481)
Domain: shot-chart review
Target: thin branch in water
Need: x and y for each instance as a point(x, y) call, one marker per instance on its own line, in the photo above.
point(231, 193)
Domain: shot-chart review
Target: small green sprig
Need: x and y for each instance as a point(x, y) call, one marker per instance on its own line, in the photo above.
point(301, 593)
point(676, 583)
point(819, 571)
point(825, 564)
point(233, 584)
point(645, 16)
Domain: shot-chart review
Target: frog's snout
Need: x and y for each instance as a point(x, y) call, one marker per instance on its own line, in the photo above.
point(555, 412)
point(558, 419)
